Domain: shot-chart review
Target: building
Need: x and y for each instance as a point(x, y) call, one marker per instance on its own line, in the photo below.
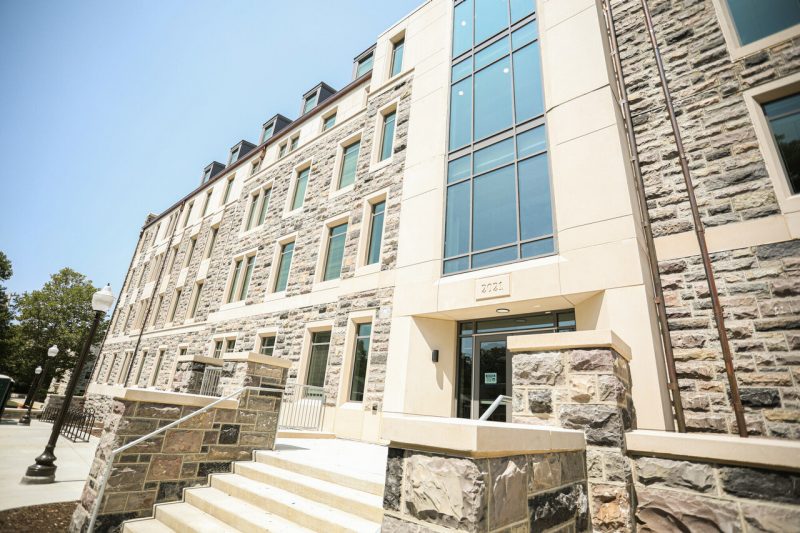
point(476, 181)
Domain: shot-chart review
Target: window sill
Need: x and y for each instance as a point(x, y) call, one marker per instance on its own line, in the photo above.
point(326, 285)
point(271, 297)
point(366, 270)
point(293, 212)
point(342, 191)
point(233, 305)
point(374, 167)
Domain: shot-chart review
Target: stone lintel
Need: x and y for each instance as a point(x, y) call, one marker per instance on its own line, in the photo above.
point(593, 338)
point(255, 357)
point(212, 361)
point(473, 438)
point(752, 451)
point(158, 396)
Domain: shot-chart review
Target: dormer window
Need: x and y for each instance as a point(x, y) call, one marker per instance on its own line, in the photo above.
point(211, 170)
point(273, 126)
point(316, 96)
point(364, 62)
point(239, 151)
point(310, 103)
point(267, 132)
point(234, 155)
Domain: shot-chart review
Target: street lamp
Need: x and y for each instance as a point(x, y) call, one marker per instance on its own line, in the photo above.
point(26, 418)
point(44, 470)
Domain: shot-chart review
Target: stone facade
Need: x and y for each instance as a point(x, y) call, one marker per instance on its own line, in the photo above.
point(521, 493)
point(694, 496)
point(757, 284)
point(158, 469)
point(589, 390)
point(289, 325)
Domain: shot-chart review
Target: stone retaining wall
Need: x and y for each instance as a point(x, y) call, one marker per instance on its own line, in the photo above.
point(695, 496)
point(586, 389)
point(435, 492)
point(57, 400)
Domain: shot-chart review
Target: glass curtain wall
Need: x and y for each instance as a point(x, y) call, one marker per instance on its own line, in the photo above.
point(499, 207)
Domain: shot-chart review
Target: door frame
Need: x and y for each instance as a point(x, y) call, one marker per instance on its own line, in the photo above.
point(477, 340)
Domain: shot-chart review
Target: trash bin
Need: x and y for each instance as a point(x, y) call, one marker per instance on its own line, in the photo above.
point(6, 383)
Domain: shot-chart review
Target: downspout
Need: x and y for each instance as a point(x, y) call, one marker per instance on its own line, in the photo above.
point(155, 288)
point(652, 258)
point(699, 229)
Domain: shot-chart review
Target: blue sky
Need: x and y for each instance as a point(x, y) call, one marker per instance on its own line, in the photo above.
point(110, 110)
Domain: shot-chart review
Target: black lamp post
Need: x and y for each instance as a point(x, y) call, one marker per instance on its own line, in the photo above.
point(44, 470)
point(26, 418)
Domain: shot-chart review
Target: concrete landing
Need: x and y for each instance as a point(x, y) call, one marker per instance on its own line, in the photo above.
point(19, 446)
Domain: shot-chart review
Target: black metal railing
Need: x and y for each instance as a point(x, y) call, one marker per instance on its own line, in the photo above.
point(78, 424)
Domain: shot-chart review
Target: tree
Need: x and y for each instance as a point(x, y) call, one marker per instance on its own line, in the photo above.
point(59, 313)
point(6, 313)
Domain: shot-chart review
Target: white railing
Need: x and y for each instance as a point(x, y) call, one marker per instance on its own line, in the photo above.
point(110, 460)
point(303, 407)
point(210, 385)
point(495, 404)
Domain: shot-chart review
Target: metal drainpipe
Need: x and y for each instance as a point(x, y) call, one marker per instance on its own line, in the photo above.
point(652, 258)
point(699, 230)
point(155, 289)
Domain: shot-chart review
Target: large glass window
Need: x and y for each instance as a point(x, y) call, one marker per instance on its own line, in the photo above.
point(498, 182)
point(784, 121)
point(360, 360)
point(756, 19)
point(284, 264)
point(318, 358)
point(349, 162)
point(300, 189)
point(397, 57)
point(335, 253)
point(375, 232)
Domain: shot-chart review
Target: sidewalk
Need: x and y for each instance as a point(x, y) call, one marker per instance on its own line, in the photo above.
point(19, 446)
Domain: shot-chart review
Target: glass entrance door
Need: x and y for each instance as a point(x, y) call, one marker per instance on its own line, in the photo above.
point(493, 376)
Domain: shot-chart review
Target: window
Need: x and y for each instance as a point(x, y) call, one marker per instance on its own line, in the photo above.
point(335, 252)
point(254, 167)
point(234, 155)
point(228, 187)
point(172, 258)
point(125, 370)
point(262, 212)
point(218, 349)
point(267, 345)
point(756, 19)
point(375, 232)
point(293, 142)
point(156, 368)
point(140, 314)
point(212, 240)
point(156, 311)
point(360, 360)
point(309, 103)
point(318, 358)
point(783, 117)
point(251, 212)
point(364, 64)
point(282, 150)
point(142, 359)
point(190, 251)
point(230, 344)
point(157, 264)
point(387, 139)
point(498, 181)
point(329, 122)
point(269, 129)
point(284, 264)
point(198, 289)
point(259, 203)
point(397, 57)
point(187, 215)
point(347, 174)
point(174, 306)
point(300, 188)
point(242, 273)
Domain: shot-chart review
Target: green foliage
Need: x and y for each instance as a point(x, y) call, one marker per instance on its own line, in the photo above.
point(59, 313)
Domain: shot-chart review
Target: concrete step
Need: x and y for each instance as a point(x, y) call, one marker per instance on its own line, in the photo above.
point(297, 509)
point(311, 470)
point(146, 525)
point(183, 517)
point(364, 504)
point(237, 513)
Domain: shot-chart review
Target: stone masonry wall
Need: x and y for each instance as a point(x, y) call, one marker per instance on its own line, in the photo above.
point(290, 324)
point(760, 293)
point(435, 492)
point(694, 496)
point(589, 390)
point(758, 288)
point(158, 469)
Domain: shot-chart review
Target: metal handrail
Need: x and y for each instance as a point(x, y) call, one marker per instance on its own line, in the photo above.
point(110, 461)
point(495, 404)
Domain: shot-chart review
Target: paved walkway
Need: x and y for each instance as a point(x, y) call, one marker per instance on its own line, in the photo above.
point(19, 446)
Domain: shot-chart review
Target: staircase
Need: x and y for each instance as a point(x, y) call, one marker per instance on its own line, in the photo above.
point(277, 492)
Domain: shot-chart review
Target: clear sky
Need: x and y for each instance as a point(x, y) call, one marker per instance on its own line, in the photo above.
point(111, 109)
